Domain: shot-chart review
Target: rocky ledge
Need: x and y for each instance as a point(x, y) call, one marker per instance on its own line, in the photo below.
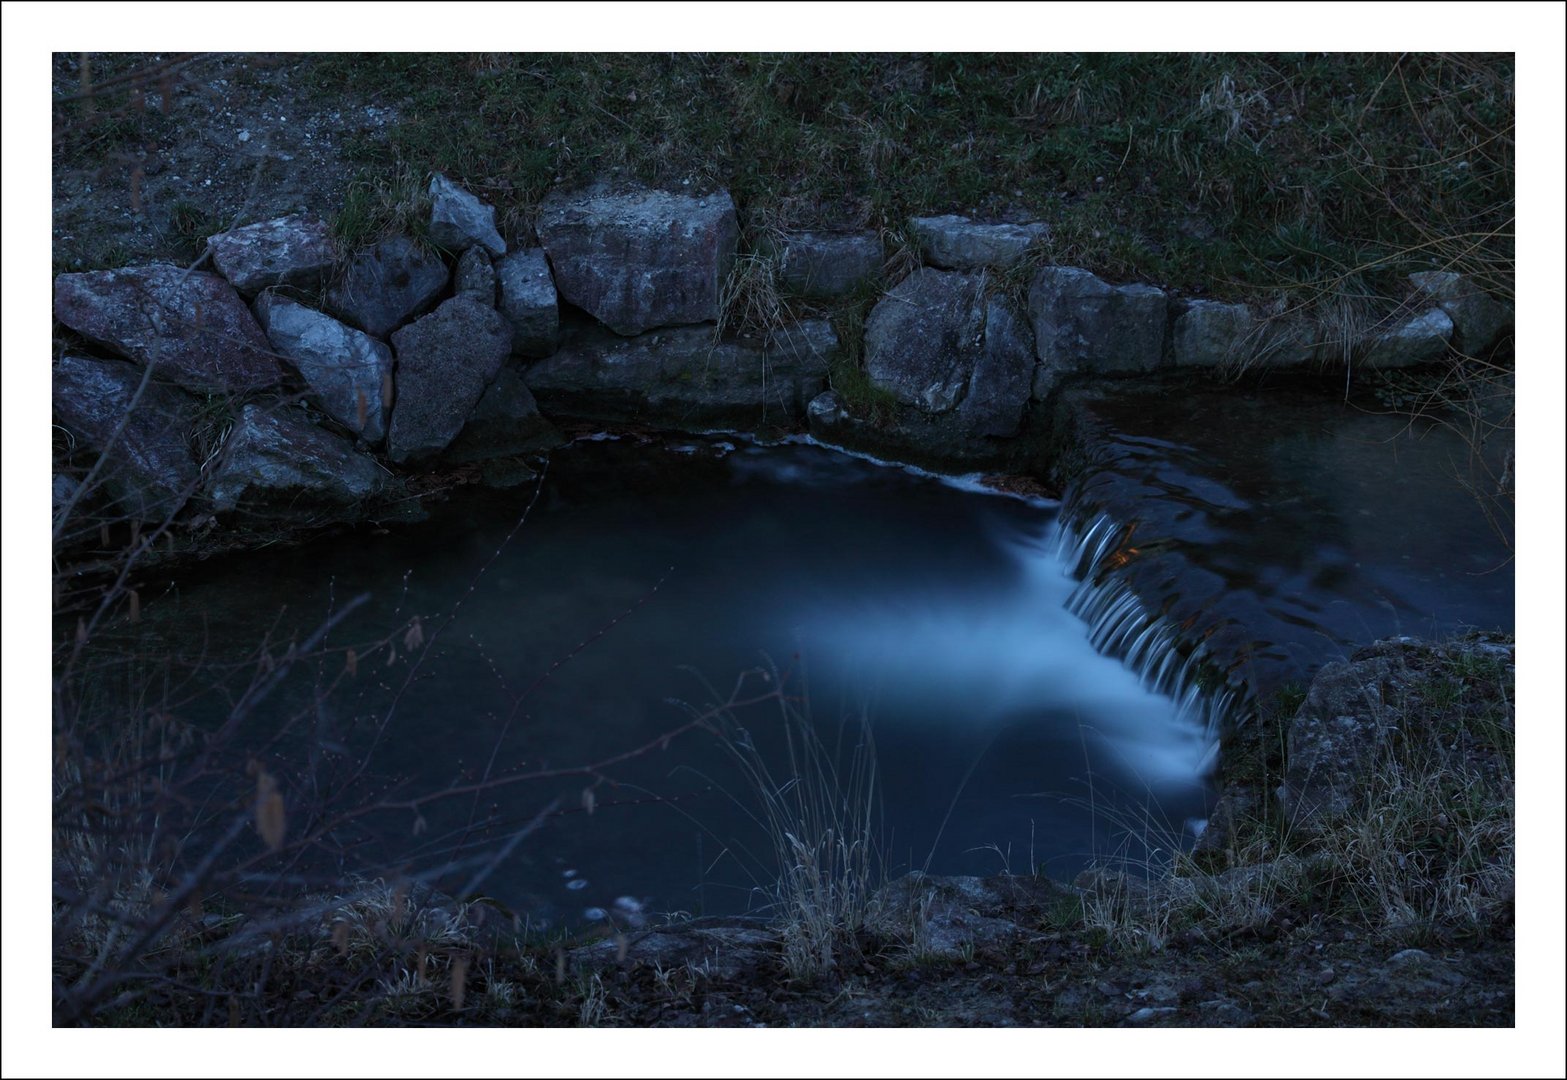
point(411, 357)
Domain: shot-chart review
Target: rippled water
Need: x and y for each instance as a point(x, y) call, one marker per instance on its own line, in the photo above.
point(648, 578)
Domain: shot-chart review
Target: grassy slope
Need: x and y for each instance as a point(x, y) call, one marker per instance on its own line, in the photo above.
point(1246, 175)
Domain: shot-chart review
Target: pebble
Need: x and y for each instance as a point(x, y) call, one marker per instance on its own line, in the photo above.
point(577, 883)
point(1143, 1016)
point(244, 136)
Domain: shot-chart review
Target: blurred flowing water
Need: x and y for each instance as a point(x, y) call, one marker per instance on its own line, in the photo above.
point(1030, 679)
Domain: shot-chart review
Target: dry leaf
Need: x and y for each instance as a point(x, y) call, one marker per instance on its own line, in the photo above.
point(459, 981)
point(386, 390)
point(340, 937)
point(351, 663)
point(270, 820)
point(391, 655)
point(589, 800)
point(135, 606)
point(415, 636)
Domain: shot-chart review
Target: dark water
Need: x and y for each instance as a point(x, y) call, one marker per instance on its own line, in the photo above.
point(1285, 529)
point(647, 580)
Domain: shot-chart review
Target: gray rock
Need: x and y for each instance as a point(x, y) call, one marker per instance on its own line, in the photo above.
point(1211, 334)
point(275, 462)
point(1479, 320)
point(681, 377)
point(458, 220)
point(1333, 741)
point(296, 251)
point(476, 276)
point(1084, 324)
point(640, 260)
point(938, 344)
point(148, 469)
point(1421, 339)
point(1149, 1015)
point(505, 422)
point(529, 302)
point(193, 326)
point(349, 371)
point(956, 243)
point(828, 264)
point(445, 361)
point(386, 285)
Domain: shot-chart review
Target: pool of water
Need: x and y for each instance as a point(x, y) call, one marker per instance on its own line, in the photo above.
point(532, 739)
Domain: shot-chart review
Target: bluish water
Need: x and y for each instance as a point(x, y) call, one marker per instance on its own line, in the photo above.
point(651, 580)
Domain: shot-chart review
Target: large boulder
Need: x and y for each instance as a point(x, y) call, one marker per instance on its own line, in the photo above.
point(386, 285)
point(276, 462)
point(458, 220)
point(1084, 324)
point(1333, 740)
point(1211, 334)
point(640, 260)
point(445, 361)
point(938, 344)
point(147, 467)
point(1420, 339)
point(825, 265)
point(529, 302)
point(682, 377)
point(505, 422)
point(956, 243)
point(349, 371)
point(192, 325)
point(1479, 320)
point(295, 251)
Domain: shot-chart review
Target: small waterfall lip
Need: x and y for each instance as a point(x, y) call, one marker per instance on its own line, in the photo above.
point(1120, 624)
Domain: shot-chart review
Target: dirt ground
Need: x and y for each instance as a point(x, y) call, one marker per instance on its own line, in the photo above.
point(194, 145)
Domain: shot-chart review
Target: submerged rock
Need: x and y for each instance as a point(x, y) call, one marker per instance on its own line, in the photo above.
point(938, 344)
point(295, 251)
point(640, 260)
point(822, 264)
point(276, 462)
point(683, 376)
point(458, 220)
point(386, 285)
point(956, 243)
point(192, 325)
point(1084, 324)
point(348, 370)
point(147, 467)
point(528, 300)
point(444, 363)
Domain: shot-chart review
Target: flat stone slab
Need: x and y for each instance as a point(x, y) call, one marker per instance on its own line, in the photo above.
point(951, 242)
point(682, 376)
point(641, 260)
point(349, 371)
point(1083, 324)
point(192, 325)
point(295, 251)
point(824, 265)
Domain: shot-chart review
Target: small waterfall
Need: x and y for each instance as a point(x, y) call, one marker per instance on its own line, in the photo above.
point(1121, 625)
